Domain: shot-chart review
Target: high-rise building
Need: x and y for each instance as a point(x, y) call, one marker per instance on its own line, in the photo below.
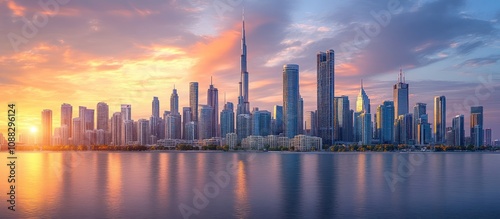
point(155, 106)
point(128, 132)
point(300, 116)
point(243, 126)
point(291, 97)
point(342, 119)
point(126, 112)
point(261, 123)
point(186, 118)
point(385, 124)
point(458, 128)
point(173, 126)
point(366, 128)
point(401, 96)
point(102, 116)
point(46, 127)
point(143, 131)
point(67, 117)
point(227, 119)
point(310, 125)
point(205, 116)
point(488, 137)
point(278, 119)
point(423, 134)
point(404, 129)
point(89, 119)
point(476, 119)
point(419, 110)
point(325, 67)
point(363, 102)
point(174, 102)
point(77, 132)
point(440, 119)
point(193, 103)
point(116, 129)
point(213, 101)
point(357, 127)
point(243, 103)
point(363, 108)
point(82, 112)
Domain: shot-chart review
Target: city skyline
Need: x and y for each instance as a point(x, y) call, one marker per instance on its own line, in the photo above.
point(265, 64)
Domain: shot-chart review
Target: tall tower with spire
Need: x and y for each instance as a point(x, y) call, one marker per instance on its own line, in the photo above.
point(243, 104)
point(363, 102)
point(401, 96)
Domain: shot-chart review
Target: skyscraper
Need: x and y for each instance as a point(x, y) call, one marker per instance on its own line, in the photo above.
point(227, 119)
point(77, 132)
point(174, 102)
point(385, 125)
point(261, 123)
point(126, 112)
point(46, 127)
point(419, 110)
point(193, 100)
point(213, 101)
point(243, 103)
point(278, 119)
point(363, 102)
point(363, 108)
point(310, 125)
point(325, 67)
point(82, 112)
point(67, 117)
point(476, 125)
point(155, 106)
point(291, 97)
point(142, 131)
point(300, 116)
point(440, 119)
point(102, 116)
point(186, 118)
point(404, 129)
point(243, 126)
point(401, 96)
point(173, 126)
point(342, 119)
point(89, 119)
point(488, 137)
point(366, 128)
point(205, 122)
point(458, 130)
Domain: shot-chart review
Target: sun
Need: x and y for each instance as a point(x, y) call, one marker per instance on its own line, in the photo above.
point(33, 129)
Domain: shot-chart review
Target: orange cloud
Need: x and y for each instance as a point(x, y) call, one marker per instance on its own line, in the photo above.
point(16, 9)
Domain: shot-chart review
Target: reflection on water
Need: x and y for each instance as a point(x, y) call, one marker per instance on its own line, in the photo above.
point(263, 185)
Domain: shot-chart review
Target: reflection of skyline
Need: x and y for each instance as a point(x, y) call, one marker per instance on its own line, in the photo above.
point(241, 193)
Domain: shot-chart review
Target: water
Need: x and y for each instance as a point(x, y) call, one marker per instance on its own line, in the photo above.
point(253, 185)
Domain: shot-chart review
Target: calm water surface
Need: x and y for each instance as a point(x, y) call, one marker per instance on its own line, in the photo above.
point(254, 185)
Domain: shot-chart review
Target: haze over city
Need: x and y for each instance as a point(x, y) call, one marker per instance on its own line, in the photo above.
point(123, 52)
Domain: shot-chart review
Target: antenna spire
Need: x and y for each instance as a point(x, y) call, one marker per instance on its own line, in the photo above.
point(211, 80)
point(361, 83)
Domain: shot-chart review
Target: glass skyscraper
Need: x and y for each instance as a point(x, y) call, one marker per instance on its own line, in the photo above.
point(291, 97)
point(476, 125)
point(325, 67)
point(440, 119)
point(401, 96)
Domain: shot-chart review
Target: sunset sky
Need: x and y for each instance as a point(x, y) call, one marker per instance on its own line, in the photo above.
point(127, 51)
